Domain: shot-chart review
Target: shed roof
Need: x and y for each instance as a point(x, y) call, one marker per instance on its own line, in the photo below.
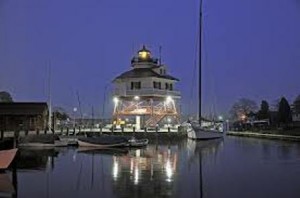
point(23, 108)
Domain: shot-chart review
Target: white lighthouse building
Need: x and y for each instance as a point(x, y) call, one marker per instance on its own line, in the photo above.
point(146, 93)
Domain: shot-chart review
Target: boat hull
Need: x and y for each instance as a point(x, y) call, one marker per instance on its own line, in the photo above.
point(6, 157)
point(88, 144)
point(201, 134)
point(57, 143)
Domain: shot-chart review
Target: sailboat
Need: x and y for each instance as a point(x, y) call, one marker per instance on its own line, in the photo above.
point(194, 129)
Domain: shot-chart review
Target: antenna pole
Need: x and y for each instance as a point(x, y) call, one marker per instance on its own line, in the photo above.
point(160, 54)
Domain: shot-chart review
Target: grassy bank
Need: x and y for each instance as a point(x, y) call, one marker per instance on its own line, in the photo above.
point(276, 135)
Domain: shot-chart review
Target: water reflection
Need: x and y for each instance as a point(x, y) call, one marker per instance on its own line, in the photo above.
point(235, 167)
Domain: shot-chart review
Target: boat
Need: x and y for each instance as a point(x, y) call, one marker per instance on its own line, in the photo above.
point(195, 130)
point(133, 142)
point(6, 157)
point(42, 140)
point(103, 141)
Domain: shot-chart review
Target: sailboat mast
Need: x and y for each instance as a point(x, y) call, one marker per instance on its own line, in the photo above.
point(49, 98)
point(200, 63)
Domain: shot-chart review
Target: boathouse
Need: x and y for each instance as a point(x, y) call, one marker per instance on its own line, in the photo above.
point(23, 116)
point(146, 95)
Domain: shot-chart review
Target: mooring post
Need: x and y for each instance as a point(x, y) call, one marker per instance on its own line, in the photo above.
point(122, 129)
point(169, 130)
point(134, 129)
point(37, 131)
point(16, 136)
point(156, 129)
point(2, 135)
point(145, 129)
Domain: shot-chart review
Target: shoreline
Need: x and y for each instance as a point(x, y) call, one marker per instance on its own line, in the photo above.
point(271, 136)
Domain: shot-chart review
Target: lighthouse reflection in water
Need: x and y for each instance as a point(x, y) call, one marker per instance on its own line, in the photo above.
point(145, 164)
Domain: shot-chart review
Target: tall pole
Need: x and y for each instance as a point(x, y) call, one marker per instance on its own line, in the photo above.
point(200, 62)
point(49, 98)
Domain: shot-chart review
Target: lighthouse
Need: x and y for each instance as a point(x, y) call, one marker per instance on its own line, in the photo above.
point(146, 93)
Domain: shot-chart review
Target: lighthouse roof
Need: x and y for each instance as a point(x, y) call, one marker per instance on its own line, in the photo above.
point(142, 73)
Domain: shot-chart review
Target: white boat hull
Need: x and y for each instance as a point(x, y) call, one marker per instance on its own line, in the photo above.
point(201, 134)
point(57, 143)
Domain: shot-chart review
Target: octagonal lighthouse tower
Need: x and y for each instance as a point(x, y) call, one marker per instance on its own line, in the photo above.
point(146, 93)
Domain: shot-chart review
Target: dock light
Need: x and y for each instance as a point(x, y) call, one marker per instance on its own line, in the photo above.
point(136, 97)
point(169, 99)
point(243, 117)
point(169, 120)
point(116, 100)
point(220, 117)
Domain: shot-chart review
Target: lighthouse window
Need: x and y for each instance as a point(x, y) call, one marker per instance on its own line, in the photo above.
point(167, 86)
point(135, 85)
point(159, 85)
point(171, 86)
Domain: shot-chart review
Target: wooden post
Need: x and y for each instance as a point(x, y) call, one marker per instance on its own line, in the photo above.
point(26, 132)
point(169, 130)
point(16, 136)
point(134, 129)
point(122, 129)
point(100, 129)
point(37, 131)
point(156, 129)
point(2, 135)
point(145, 129)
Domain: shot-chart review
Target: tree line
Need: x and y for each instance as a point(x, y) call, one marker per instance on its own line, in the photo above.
point(247, 110)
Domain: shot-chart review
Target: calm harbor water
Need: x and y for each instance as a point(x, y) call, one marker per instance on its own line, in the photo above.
point(233, 167)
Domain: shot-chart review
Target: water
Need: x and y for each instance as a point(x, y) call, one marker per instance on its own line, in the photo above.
point(233, 167)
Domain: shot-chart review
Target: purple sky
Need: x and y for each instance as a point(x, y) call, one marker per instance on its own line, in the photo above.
point(252, 47)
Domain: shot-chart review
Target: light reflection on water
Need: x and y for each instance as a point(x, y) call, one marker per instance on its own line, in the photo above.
point(233, 167)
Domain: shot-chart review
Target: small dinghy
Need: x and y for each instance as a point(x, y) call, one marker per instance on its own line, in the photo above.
point(103, 141)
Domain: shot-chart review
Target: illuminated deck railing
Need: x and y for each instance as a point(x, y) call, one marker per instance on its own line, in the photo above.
point(147, 92)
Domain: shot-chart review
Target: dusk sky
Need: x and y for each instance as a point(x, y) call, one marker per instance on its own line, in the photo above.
point(251, 48)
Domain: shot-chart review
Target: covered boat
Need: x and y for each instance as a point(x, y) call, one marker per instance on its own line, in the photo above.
point(103, 141)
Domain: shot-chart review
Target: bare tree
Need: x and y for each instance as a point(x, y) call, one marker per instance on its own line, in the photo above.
point(241, 108)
